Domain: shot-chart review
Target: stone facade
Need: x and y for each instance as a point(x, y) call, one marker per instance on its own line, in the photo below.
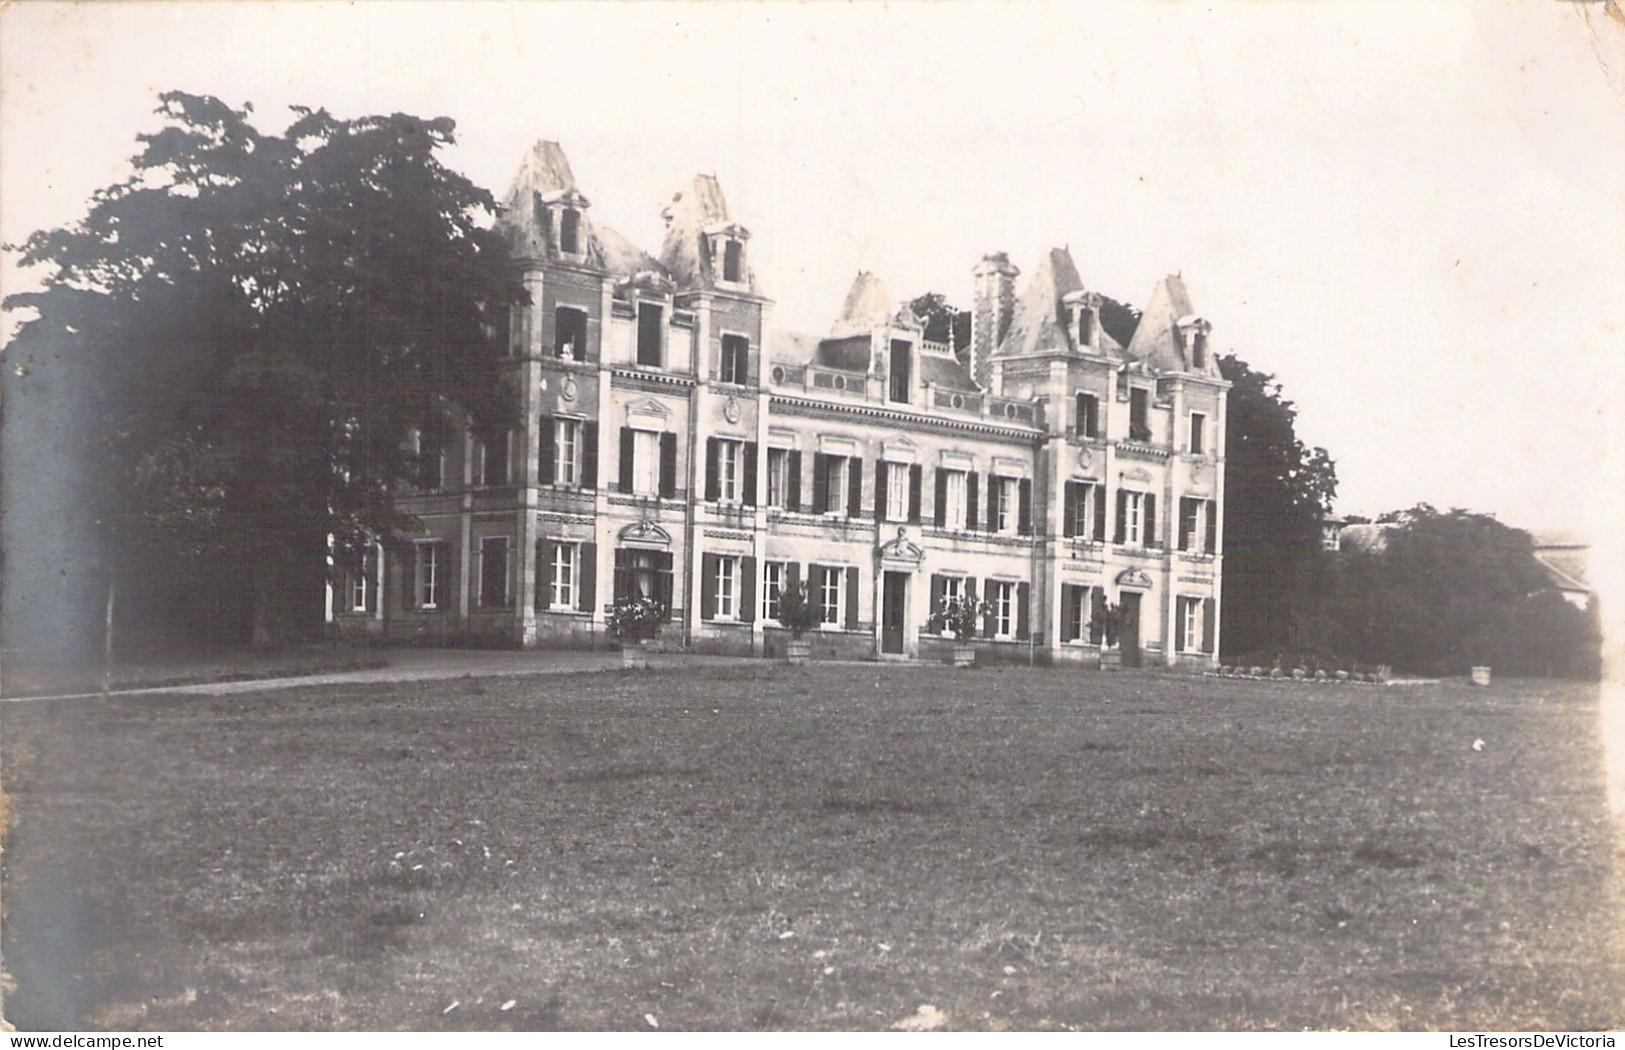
point(673, 444)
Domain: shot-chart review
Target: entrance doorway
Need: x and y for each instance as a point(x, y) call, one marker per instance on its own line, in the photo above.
point(1130, 638)
point(894, 611)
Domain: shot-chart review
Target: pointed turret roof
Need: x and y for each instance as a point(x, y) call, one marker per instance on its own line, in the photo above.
point(1040, 320)
point(544, 176)
point(1158, 341)
point(691, 215)
point(867, 304)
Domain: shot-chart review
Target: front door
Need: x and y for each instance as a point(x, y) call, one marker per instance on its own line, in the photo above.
point(893, 612)
point(1130, 640)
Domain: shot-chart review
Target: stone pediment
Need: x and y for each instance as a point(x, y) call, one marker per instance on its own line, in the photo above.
point(1136, 578)
point(901, 549)
point(645, 534)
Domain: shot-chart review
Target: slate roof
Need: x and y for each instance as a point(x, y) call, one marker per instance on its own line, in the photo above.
point(688, 216)
point(1039, 321)
point(1157, 341)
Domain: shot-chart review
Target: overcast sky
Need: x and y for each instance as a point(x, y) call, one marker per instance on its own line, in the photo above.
point(1413, 215)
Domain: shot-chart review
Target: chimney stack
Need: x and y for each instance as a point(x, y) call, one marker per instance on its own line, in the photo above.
point(990, 318)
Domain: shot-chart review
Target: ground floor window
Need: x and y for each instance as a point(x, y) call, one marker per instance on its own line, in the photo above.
point(360, 588)
point(1002, 594)
point(1194, 621)
point(830, 594)
point(430, 561)
point(566, 564)
point(644, 574)
point(947, 589)
point(494, 571)
point(774, 578)
point(727, 588)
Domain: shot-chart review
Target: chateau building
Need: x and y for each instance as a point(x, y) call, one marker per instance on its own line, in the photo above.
point(674, 445)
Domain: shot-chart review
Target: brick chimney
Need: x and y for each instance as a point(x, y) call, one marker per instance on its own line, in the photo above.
point(990, 317)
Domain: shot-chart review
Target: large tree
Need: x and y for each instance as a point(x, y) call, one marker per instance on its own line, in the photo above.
point(1277, 492)
point(256, 323)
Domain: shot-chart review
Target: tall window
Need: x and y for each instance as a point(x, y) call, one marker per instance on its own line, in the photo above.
point(360, 585)
point(491, 461)
point(570, 333)
point(645, 463)
point(729, 456)
point(733, 261)
point(1198, 433)
point(898, 386)
point(567, 451)
point(1191, 622)
point(1196, 525)
point(952, 587)
point(1004, 492)
point(1003, 597)
point(429, 560)
point(735, 364)
point(897, 475)
point(494, 570)
point(566, 568)
point(778, 478)
point(650, 334)
point(774, 578)
point(955, 516)
point(570, 231)
point(1139, 414)
point(1088, 421)
point(1134, 517)
point(1199, 349)
point(1081, 511)
point(829, 595)
point(727, 588)
point(835, 484)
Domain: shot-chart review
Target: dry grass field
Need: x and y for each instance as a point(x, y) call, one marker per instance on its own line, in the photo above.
point(761, 847)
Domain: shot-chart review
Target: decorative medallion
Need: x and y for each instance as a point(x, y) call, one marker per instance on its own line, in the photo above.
point(730, 410)
point(1198, 471)
point(1086, 457)
point(567, 389)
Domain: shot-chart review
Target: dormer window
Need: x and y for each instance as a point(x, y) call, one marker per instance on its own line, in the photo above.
point(1086, 327)
point(570, 232)
point(544, 219)
point(733, 261)
point(1193, 334)
point(1139, 414)
point(1199, 349)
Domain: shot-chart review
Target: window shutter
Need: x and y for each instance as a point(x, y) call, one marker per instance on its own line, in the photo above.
point(942, 498)
point(371, 563)
point(544, 573)
point(1122, 515)
point(1184, 521)
point(1083, 414)
point(851, 595)
point(854, 487)
point(587, 574)
point(936, 594)
point(792, 499)
point(970, 587)
point(668, 466)
point(990, 619)
point(1069, 509)
point(712, 463)
point(627, 446)
point(820, 483)
point(623, 574)
point(1099, 493)
point(1150, 519)
point(663, 581)
point(995, 496)
point(1211, 543)
point(1179, 624)
point(747, 589)
point(750, 474)
point(915, 474)
point(589, 454)
point(708, 586)
point(1072, 609)
point(409, 576)
point(881, 467)
point(1210, 623)
point(971, 506)
point(1022, 624)
point(545, 450)
point(448, 585)
point(1024, 510)
point(1097, 612)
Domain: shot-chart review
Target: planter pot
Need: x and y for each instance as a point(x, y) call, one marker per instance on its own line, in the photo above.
point(797, 651)
point(964, 655)
point(1481, 676)
point(1111, 659)
point(634, 657)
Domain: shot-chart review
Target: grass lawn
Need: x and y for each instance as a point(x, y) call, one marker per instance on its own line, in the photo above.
point(758, 846)
point(23, 679)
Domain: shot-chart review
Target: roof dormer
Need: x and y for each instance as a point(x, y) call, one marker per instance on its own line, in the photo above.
point(725, 248)
point(560, 217)
point(1193, 340)
point(1083, 317)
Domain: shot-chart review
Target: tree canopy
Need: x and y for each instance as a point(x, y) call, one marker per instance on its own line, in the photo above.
point(1277, 493)
point(259, 322)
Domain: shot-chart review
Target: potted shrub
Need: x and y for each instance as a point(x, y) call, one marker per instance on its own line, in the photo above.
point(961, 615)
point(798, 615)
point(635, 622)
point(1111, 619)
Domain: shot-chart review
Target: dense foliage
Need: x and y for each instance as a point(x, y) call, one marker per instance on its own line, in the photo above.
point(261, 323)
